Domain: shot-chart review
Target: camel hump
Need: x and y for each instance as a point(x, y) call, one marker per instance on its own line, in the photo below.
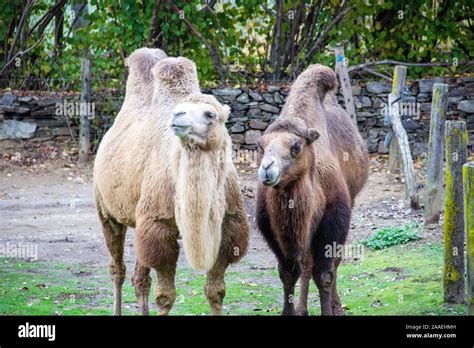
point(174, 69)
point(316, 78)
point(142, 60)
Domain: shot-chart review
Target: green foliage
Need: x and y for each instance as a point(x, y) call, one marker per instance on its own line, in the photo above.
point(414, 31)
point(390, 236)
point(242, 33)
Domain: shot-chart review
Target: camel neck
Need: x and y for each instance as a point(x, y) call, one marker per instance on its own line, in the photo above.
point(290, 210)
point(200, 205)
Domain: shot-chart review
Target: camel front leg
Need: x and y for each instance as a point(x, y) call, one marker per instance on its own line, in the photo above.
point(215, 286)
point(306, 275)
point(165, 291)
point(289, 271)
point(234, 243)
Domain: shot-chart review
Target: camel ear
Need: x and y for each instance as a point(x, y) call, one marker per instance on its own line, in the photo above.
point(311, 135)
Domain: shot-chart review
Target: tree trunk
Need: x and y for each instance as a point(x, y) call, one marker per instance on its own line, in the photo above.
point(58, 31)
point(84, 125)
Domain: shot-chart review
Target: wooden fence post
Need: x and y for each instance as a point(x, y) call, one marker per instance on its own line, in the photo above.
point(84, 123)
point(468, 184)
point(80, 9)
point(434, 176)
point(344, 80)
point(394, 157)
point(404, 149)
point(456, 154)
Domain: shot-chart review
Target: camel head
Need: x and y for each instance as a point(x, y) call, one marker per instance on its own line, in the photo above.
point(199, 122)
point(285, 152)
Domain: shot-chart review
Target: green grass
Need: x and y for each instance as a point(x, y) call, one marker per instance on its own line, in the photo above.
point(394, 235)
point(402, 280)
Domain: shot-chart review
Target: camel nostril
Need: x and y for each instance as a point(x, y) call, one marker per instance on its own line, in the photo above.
point(178, 114)
point(267, 165)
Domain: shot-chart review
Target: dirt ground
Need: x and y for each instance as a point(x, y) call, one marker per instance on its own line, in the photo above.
point(49, 204)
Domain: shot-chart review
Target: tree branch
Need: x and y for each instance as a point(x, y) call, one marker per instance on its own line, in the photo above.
point(48, 16)
point(73, 24)
point(322, 39)
point(214, 52)
point(20, 28)
point(154, 23)
point(396, 62)
point(324, 34)
point(21, 53)
point(222, 38)
point(274, 61)
point(370, 71)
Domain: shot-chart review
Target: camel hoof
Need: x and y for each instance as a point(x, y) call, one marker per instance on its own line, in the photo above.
point(288, 313)
point(338, 310)
point(163, 304)
point(302, 312)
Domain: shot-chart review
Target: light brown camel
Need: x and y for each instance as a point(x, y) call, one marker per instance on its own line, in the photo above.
point(164, 168)
point(313, 162)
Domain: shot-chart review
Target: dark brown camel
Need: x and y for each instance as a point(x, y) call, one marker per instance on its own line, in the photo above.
point(313, 162)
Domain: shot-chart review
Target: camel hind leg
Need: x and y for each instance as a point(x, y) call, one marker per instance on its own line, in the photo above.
point(114, 234)
point(336, 302)
point(332, 230)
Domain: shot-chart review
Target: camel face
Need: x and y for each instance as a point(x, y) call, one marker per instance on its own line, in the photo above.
point(194, 123)
point(278, 155)
point(284, 154)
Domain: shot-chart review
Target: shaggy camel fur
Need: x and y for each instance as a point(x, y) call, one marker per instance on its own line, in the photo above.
point(313, 162)
point(164, 168)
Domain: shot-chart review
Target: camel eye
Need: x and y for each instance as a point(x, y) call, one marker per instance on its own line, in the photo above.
point(210, 116)
point(295, 149)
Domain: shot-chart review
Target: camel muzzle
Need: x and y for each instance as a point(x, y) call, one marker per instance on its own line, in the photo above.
point(268, 173)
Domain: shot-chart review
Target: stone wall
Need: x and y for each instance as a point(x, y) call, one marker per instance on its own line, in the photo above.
point(253, 109)
point(35, 116)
